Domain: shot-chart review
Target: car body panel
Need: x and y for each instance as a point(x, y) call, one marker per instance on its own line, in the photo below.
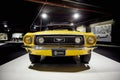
point(60, 32)
point(68, 52)
point(69, 49)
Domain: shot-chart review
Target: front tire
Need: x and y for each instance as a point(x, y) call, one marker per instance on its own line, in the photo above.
point(85, 58)
point(34, 58)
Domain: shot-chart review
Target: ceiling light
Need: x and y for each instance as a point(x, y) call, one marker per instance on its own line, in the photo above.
point(44, 15)
point(5, 25)
point(76, 16)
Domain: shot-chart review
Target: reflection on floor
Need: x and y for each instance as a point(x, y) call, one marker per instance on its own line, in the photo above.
point(100, 68)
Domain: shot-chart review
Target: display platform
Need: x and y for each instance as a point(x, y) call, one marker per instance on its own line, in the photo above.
point(100, 68)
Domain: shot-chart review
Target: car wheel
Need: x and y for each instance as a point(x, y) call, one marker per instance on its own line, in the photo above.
point(34, 58)
point(85, 58)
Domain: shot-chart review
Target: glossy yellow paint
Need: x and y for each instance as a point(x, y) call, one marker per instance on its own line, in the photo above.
point(69, 52)
point(64, 32)
point(32, 36)
point(86, 42)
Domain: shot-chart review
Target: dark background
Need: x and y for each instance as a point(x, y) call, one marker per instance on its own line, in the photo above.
point(20, 14)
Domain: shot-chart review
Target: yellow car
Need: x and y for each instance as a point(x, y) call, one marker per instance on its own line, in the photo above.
point(58, 40)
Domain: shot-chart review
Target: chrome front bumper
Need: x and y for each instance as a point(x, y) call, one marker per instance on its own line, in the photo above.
point(58, 47)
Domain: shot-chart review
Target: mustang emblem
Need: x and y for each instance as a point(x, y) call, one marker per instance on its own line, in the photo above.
point(59, 40)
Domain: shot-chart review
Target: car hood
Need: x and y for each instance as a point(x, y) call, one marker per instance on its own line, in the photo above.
point(62, 32)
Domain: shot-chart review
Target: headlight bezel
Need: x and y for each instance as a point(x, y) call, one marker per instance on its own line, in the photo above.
point(91, 40)
point(28, 39)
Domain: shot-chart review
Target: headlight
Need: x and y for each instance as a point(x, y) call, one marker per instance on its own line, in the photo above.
point(28, 39)
point(41, 40)
point(77, 40)
point(91, 40)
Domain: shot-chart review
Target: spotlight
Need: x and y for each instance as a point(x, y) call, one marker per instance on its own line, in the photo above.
point(44, 15)
point(76, 16)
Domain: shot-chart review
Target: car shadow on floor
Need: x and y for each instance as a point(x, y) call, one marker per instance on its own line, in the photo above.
point(60, 64)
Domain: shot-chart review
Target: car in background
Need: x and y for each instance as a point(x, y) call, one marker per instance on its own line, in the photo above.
point(59, 40)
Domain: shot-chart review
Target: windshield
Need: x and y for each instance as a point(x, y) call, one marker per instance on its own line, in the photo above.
point(60, 27)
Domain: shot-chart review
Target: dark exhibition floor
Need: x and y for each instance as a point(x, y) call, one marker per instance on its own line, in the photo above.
point(104, 65)
point(10, 51)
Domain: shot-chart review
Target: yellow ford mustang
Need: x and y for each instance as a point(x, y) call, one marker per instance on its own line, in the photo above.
point(59, 40)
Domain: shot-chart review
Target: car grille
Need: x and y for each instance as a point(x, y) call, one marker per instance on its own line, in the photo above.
point(59, 39)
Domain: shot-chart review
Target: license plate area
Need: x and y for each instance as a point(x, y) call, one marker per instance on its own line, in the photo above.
point(58, 52)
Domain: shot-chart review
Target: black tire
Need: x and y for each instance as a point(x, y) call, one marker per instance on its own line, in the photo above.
point(85, 58)
point(34, 58)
